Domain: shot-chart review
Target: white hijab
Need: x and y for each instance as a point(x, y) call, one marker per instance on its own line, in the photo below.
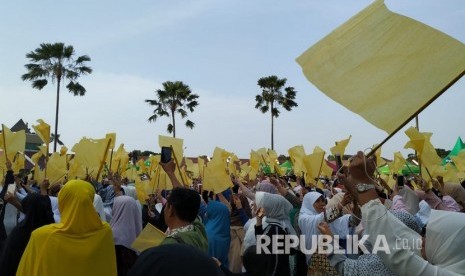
point(445, 237)
point(309, 219)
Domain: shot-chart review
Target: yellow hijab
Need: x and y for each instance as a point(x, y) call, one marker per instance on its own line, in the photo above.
point(81, 244)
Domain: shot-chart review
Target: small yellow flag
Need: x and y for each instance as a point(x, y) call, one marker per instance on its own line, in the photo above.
point(149, 237)
point(43, 131)
point(398, 163)
point(421, 142)
point(340, 147)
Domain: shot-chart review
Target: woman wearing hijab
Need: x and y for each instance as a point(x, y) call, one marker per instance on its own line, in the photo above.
point(442, 247)
point(126, 224)
point(217, 226)
point(38, 212)
point(312, 213)
point(81, 244)
point(277, 209)
point(370, 264)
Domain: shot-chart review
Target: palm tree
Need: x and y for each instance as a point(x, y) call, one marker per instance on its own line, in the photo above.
point(56, 62)
point(175, 97)
point(52, 139)
point(272, 97)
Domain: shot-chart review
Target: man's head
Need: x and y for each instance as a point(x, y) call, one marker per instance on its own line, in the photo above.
point(182, 205)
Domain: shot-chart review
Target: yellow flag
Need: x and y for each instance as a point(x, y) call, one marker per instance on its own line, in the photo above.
point(63, 150)
point(44, 150)
point(380, 63)
point(56, 168)
point(43, 131)
point(39, 175)
point(313, 164)
point(398, 163)
point(18, 162)
point(142, 167)
point(143, 189)
point(119, 160)
point(36, 157)
point(425, 150)
point(296, 155)
point(90, 154)
point(166, 141)
point(340, 147)
point(254, 164)
point(149, 237)
point(326, 170)
point(216, 177)
point(12, 142)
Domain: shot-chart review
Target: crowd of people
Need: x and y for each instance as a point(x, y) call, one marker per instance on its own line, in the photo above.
point(263, 226)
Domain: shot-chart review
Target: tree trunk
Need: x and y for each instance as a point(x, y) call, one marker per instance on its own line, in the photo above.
point(272, 128)
point(174, 124)
point(55, 140)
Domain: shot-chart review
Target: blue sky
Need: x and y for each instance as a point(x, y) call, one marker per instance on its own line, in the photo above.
point(220, 49)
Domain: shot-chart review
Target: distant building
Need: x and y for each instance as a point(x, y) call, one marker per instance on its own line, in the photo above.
point(33, 140)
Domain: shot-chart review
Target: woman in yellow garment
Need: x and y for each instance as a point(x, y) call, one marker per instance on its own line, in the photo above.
point(81, 244)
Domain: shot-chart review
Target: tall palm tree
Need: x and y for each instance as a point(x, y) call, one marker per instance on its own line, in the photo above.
point(272, 97)
point(175, 97)
point(56, 62)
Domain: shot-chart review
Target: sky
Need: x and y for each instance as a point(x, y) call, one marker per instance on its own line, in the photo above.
point(220, 49)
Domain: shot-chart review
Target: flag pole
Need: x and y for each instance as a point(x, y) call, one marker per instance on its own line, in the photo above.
point(103, 159)
point(416, 113)
point(177, 165)
point(46, 161)
point(4, 141)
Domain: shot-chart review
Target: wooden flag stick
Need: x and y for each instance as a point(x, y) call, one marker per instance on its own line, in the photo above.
point(416, 113)
point(111, 157)
point(177, 165)
point(103, 159)
point(4, 141)
point(46, 162)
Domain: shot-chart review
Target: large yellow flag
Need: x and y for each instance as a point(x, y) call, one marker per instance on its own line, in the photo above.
point(43, 131)
point(380, 62)
point(340, 147)
point(90, 154)
point(216, 177)
point(12, 142)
